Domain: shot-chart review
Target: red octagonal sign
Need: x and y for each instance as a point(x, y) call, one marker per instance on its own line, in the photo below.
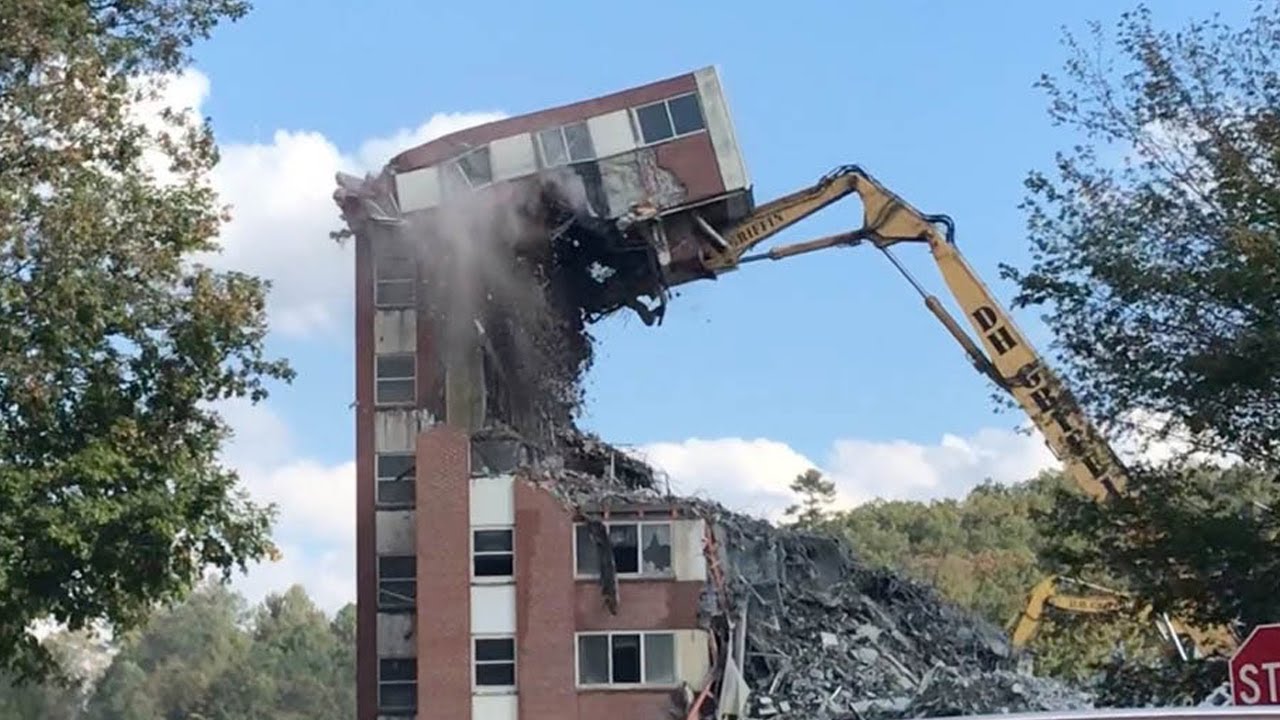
point(1255, 668)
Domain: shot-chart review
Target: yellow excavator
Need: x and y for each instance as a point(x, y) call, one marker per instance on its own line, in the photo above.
point(1005, 356)
point(1186, 640)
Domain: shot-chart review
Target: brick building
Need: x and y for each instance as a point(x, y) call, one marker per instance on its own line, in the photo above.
point(479, 588)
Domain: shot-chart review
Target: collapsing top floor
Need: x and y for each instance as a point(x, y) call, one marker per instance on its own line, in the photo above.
point(509, 237)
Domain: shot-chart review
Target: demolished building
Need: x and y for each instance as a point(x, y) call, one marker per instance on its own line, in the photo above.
point(509, 565)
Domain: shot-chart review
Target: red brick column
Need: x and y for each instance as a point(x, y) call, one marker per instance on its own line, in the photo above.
point(366, 539)
point(544, 607)
point(444, 574)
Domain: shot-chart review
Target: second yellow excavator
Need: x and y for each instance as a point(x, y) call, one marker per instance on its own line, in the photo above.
point(1187, 640)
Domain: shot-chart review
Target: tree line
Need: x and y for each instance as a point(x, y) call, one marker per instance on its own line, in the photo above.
point(211, 657)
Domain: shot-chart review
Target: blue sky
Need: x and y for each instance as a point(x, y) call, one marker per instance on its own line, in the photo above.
point(934, 98)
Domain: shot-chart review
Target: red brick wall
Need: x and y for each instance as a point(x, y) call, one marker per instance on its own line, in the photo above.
point(366, 559)
point(627, 705)
point(551, 606)
point(444, 574)
point(544, 606)
point(642, 605)
point(692, 159)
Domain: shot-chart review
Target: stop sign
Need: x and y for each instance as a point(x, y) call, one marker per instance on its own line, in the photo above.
point(1255, 668)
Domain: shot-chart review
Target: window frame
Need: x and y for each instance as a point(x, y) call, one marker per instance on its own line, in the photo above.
point(639, 574)
point(671, 121)
point(396, 709)
point(562, 132)
point(377, 380)
point(394, 253)
point(479, 689)
point(400, 605)
point(644, 683)
point(493, 579)
point(379, 479)
point(460, 169)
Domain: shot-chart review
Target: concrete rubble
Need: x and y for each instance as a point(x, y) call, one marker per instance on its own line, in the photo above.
point(825, 636)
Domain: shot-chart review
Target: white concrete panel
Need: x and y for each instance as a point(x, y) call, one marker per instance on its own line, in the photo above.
point(687, 559)
point(395, 635)
point(495, 707)
point(395, 430)
point(395, 331)
point(393, 530)
point(493, 501)
point(418, 189)
point(513, 157)
point(733, 169)
point(692, 659)
point(611, 133)
point(493, 609)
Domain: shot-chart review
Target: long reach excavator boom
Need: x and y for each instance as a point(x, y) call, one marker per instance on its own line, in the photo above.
point(1005, 355)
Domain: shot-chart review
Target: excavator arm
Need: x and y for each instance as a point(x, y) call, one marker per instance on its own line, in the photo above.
point(1005, 355)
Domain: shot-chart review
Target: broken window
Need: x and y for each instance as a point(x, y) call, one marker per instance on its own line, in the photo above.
point(566, 144)
point(476, 167)
point(495, 662)
point(394, 275)
point(397, 684)
point(397, 581)
point(626, 658)
point(639, 549)
point(395, 477)
point(492, 553)
point(670, 118)
point(395, 382)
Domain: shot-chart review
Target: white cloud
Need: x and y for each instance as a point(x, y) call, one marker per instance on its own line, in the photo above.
point(753, 475)
point(315, 527)
point(280, 193)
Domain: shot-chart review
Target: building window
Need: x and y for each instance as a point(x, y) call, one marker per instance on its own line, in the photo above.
point(395, 382)
point(492, 553)
point(475, 167)
point(394, 274)
point(397, 582)
point(395, 473)
point(566, 144)
point(495, 662)
point(639, 548)
point(627, 658)
point(670, 118)
point(397, 684)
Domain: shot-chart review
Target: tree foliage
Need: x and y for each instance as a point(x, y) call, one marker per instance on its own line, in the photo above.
point(1155, 238)
point(210, 657)
point(113, 342)
point(816, 496)
point(1156, 251)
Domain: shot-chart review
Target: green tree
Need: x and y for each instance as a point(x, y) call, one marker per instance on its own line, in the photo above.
point(114, 343)
point(816, 496)
point(1155, 238)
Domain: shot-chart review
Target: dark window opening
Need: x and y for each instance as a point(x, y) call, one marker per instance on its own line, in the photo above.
point(495, 661)
point(655, 123)
point(625, 545)
point(397, 581)
point(397, 684)
point(626, 658)
point(492, 553)
point(686, 115)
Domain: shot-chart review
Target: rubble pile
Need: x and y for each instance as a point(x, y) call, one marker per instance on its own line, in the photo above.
point(825, 635)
